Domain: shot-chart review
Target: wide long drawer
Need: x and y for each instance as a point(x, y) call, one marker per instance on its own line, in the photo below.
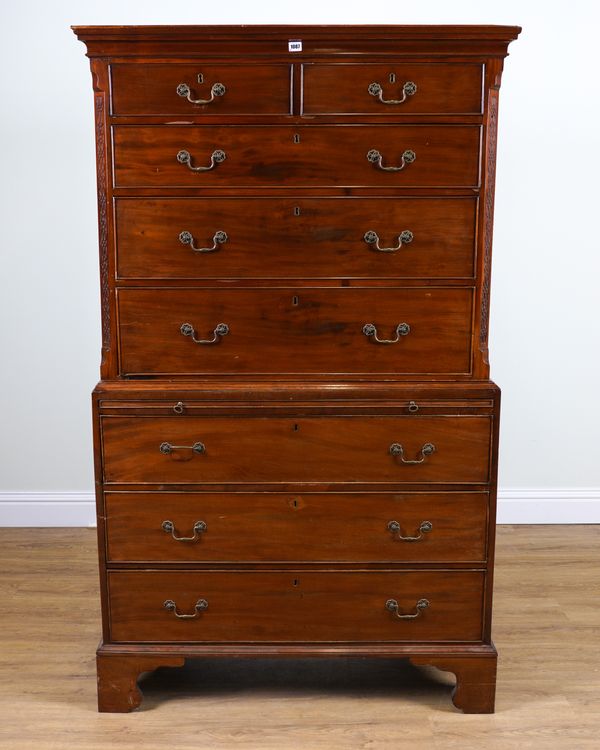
point(316, 155)
point(228, 449)
point(268, 331)
point(310, 527)
point(295, 237)
point(295, 606)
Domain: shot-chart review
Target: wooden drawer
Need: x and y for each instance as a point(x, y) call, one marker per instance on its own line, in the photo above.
point(315, 155)
point(295, 237)
point(157, 89)
point(295, 330)
point(418, 88)
point(295, 606)
point(259, 449)
point(294, 527)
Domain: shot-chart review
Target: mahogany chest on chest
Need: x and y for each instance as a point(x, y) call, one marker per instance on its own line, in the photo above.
point(295, 431)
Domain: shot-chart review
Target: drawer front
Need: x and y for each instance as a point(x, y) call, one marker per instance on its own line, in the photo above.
point(264, 155)
point(392, 89)
point(295, 238)
point(295, 331)
point(310, 527)
point(295, 606)
point(296, 449)
point(198, 88)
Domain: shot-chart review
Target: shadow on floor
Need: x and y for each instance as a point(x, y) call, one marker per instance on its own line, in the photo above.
point(298, 678)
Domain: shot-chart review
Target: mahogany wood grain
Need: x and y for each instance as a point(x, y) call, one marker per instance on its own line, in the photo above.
point(325, 155)
point(191, 406)
point(270, 41)
point(295, 330)
point(482, 394)
point(151, 89)
point(265, 527)
point(305, 449)
point(295, 606)
point(295, 238)
point(342, 88)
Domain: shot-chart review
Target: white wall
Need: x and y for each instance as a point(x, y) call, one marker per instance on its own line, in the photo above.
point(544, 329)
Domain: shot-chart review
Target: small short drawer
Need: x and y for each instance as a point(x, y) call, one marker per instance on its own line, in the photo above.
point(200, 88)
point(153, 527)
point(392, 89)
point(163, 607)
point(301, 156)
point(395, 331)
point(201, 238)
point(272, 449)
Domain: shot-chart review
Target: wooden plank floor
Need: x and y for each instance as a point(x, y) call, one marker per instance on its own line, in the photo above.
point(547, 630)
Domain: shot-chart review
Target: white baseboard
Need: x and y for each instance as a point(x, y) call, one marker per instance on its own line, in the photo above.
point(47, 509)
point(549, 505)
point(526, 505)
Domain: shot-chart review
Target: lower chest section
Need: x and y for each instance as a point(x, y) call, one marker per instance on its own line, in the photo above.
point(287, 513)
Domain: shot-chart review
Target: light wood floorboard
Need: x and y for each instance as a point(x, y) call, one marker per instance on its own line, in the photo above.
point(546, 628)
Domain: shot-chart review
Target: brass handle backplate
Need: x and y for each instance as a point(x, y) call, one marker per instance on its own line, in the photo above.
point(393, 606)
point(376, 89)
point(219, 238)
point(217, 89)
point(397, 450)
point(370, 331)
point(167, 448)
point(200, 605)
point(221, 329)
point(217, 156)
point(424, 528)
point(199, 528)
point(372, 238)
point(376, 158)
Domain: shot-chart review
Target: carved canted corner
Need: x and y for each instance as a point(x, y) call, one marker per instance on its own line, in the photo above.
point(488, 212)
point(99, 109)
